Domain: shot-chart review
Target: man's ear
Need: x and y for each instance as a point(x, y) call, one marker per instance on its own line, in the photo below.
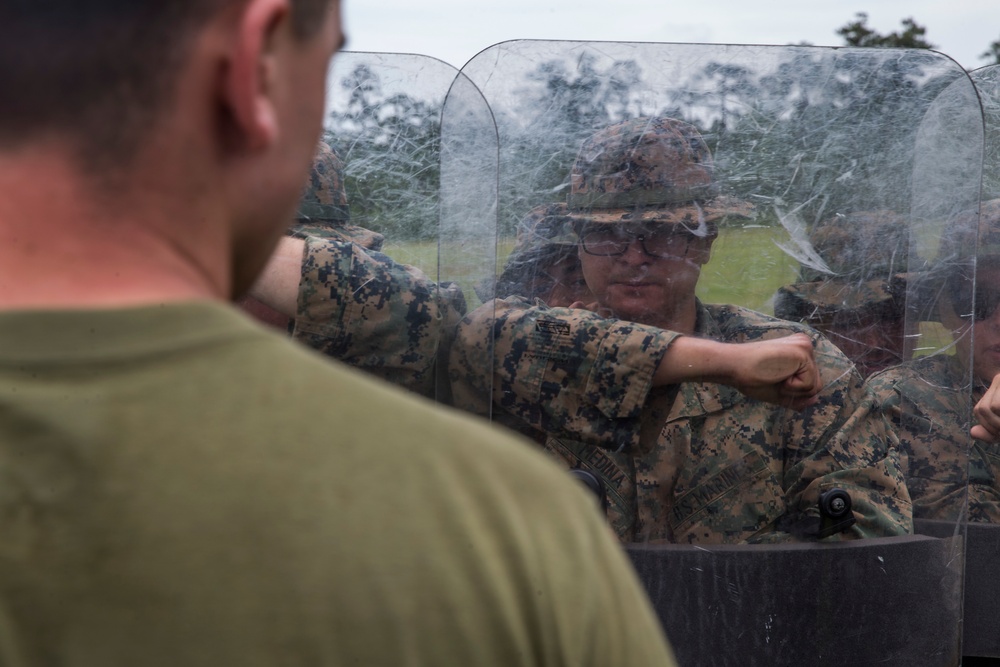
point(249, 82)
point(699, 249)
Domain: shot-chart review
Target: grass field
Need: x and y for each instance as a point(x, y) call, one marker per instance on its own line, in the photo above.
point(746, 268)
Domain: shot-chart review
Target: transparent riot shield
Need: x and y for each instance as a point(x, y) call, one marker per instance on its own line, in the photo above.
point(987, 82)
point(967, 312)
point(375, 292)
point(651, 190)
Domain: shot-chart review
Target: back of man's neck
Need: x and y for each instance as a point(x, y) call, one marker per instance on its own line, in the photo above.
point(61, 247)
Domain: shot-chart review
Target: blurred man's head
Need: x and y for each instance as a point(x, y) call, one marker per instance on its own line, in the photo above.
point(100, 72)
point(196, 118)
point(645, 204)
point(857, 297)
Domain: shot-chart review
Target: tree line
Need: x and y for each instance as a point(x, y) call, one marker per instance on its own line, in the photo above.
point(911, 36)
point(390, 142)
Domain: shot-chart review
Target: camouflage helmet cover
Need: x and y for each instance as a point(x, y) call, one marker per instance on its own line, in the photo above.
point(323, 210)
point(648, 170)
point(325, 197)
point(866, 256)
point(542, 228)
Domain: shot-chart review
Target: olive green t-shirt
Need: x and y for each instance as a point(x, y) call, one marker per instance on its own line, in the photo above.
point(180, 487)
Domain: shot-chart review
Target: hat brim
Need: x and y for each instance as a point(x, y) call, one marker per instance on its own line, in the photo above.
point(833, 296)
point(688, 214)
point(365, 238)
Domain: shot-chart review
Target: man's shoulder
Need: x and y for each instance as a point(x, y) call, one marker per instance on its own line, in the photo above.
point(329, 258)
point(739, 324)
point(926, 377)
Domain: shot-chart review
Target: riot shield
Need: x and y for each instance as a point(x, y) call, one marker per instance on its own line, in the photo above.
point(651, 190)
point(399, 297)
point(972, 291)
point(987, 82)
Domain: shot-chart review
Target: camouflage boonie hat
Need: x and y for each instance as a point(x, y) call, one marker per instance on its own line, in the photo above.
point(867, 256)
point(648, 170)
point(323, 210)
point(544, 237)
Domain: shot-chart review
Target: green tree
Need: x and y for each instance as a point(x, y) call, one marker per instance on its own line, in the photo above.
point(390, 146)
point(992, 54)
point(857, 33)
point(825, 133)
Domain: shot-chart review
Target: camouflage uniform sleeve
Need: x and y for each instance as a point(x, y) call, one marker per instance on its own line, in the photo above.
point(846, 442)
point(368, 311)
point(565, 372)
point(948, 474)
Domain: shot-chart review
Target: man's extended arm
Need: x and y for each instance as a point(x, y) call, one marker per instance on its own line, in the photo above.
point(781, 371)
point(363, 308)
point(278, 284)
point(572, 372)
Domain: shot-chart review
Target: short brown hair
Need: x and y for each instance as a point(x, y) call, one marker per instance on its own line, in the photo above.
point(98, 71)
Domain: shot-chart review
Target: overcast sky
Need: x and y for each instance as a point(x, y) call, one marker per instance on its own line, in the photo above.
point(455, 30)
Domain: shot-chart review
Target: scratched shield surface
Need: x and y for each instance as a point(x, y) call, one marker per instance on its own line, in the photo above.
point(414, 264)
point(742, 193)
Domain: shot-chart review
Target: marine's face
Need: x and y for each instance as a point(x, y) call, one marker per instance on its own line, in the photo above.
point(872, 341)
point(565, 284)
point(643, 273)
point(978, 330)
point(986, 328)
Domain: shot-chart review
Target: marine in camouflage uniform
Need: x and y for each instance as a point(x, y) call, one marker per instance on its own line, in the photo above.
point(694, 462)
point(853, 286)
point(929, 401)
point(950, 475)
point(371, 312)
point(356, 304)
